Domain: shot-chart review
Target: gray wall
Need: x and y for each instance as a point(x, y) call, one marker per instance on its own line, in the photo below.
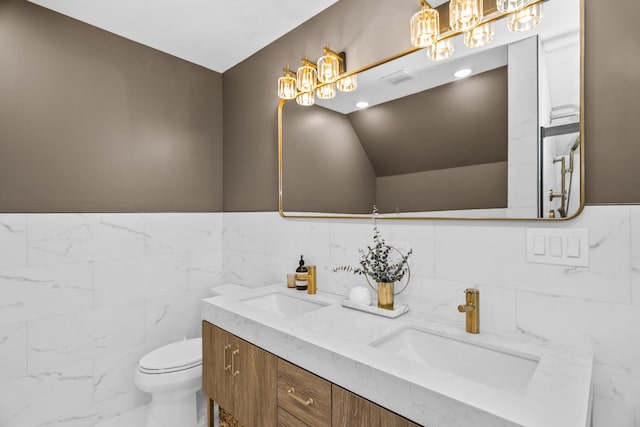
point(325, 167)
point(369, 31)
point(92, 122)
point(612, 92)
point(481, 186)
point(462, 123)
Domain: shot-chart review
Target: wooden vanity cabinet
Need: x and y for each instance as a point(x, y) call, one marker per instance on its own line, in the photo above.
point(239, 376)
point(261, 390)
point(351, 410)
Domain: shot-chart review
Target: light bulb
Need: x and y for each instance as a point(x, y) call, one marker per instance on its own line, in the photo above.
point(306, 99)
point(347, 84)
point(328, 68)
point(425, 27)
point(507, 6)
point(479, 36)
point(464, 14)
point(286, 87)
point(526, 19)
point(440, 51)
point(326, 92)
point(306, 78)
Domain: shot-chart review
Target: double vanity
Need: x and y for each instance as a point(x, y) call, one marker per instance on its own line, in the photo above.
point(287, 358)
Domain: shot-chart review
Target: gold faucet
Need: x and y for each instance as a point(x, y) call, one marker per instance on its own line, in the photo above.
point(310, 278)
point(472, 310)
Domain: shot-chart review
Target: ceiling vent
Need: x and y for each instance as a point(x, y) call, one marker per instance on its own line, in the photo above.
point(397, 77)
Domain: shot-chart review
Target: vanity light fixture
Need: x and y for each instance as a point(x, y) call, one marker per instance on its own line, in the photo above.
point(319, 79)
point(287, 84)
point(467, 16)
point(306, 77)
point(362, 104)
point(441, 50)
point(462, 73)
point(526, 19)
point(329, 66)
point(464, 15)
point(479, 36)
point(425, 26)
point(328, 91)
point(306, 99)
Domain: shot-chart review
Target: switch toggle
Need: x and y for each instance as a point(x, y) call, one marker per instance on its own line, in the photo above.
point(539, 245)
point(555, 246)
point(573, 247)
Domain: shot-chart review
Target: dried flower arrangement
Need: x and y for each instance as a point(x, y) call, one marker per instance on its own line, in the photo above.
point(377, 261)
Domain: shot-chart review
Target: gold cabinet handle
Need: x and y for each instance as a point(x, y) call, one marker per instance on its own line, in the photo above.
point(235, 369)
point(292, 392)
point(227, 365)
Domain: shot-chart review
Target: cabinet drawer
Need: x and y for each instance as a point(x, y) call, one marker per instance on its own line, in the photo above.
point(285, 419)
point(304, 395)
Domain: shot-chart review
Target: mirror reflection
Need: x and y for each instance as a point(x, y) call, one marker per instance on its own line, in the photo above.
point(491, 132)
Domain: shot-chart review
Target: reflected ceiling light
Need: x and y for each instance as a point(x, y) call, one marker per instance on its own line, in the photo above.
point(287, 84)
point(463, 73)
point(506, 6)
point(525, 19)
point(425, 26)
point(441, 50)
point(362, 104)
point(306, 76)
point(464, 14)
point(479, 36)
point(329, 66)
point(306, 99)
point(327, 91)
point(467, 16)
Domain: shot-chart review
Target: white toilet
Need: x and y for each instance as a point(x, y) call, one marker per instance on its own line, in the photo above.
point(173, 376)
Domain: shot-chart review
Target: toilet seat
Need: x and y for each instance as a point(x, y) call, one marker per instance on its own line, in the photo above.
point(179, 356)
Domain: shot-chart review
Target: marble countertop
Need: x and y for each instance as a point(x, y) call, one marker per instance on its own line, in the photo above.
point(333, 342)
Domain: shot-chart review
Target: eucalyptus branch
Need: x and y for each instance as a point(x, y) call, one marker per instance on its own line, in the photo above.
point(376, 261)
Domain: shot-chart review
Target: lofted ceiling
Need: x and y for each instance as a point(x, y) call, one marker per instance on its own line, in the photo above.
point(216, 34)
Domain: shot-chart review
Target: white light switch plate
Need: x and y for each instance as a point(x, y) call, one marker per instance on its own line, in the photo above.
point(561, 246)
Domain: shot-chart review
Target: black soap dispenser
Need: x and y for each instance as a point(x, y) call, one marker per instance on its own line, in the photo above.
point(301, 285)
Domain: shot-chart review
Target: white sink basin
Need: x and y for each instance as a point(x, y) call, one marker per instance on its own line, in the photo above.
point(497, 368)
point(283, 305)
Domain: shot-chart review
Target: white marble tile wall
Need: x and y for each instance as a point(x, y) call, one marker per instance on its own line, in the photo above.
point(597, 307)
point(83, 297)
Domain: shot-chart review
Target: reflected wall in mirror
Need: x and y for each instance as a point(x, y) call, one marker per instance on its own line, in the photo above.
point(503, 142)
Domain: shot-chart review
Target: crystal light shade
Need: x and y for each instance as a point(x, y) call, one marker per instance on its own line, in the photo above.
point(441, 50)
point(306, 78)
point(464, 14)
point(425, 27)
point(506, 6)
point(479, 36)
point(525, 19)
point(328, 68)
point(326, 92)
point(306, 99)
point(286, 87)
point(347, 84)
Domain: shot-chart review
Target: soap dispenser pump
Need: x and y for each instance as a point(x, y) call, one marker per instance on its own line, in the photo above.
point(301, 285)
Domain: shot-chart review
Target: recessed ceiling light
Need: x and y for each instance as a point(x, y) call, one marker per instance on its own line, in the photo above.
point(362, 104)
point(462, 73)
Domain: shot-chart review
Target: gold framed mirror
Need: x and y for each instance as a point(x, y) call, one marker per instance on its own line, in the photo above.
point(504, 143)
